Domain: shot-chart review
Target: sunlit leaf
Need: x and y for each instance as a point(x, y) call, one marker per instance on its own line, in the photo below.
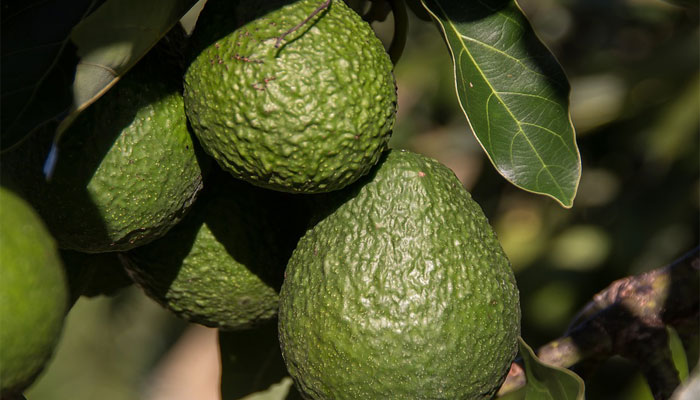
point(514, 94)
point(112, 39)
point(38, 63)
point(680, 359)
point(547, 382)
point(278, 391)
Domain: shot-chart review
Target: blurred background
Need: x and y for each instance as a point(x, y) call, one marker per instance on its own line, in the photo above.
point(635, 103)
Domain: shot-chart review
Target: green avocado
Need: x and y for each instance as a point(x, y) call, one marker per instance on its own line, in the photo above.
point(400, 291)
point(127, 170)
point(33, 294)
point(223, 265)
point(308, 112)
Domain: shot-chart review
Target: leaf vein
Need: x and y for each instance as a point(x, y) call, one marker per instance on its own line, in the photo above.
point(507, 17)
point(494, 92)
point(551, 132)
point(501, 52)
point(468, 70)
point(532, 95)
point(488, 126)
point(112, 71)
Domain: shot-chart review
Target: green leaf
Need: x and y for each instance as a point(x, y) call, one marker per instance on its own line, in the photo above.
point(277, 391)
point(418, 10)
point(37, 64)
point(514, 93)
point(112, 39)
point(547, 382)
point(680, 359)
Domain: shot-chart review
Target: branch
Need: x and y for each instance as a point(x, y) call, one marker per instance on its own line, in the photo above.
point(629, 319)
point(318, 9)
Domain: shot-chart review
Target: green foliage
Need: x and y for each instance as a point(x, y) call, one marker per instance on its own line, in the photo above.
point(546, 382)
point(104, 58)
point(94, 62)
point(678, 353)
point(33, 96)
point(514, 94)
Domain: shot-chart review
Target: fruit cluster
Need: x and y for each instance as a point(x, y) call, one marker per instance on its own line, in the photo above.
point(260, 188)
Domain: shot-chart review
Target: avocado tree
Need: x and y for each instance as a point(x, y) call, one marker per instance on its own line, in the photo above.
point(297, 73)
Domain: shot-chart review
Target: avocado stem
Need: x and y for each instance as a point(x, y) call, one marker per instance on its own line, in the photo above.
point(398, 42)
point(320, 8)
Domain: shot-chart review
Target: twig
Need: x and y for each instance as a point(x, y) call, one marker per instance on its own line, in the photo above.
point(320, 8)
point(398, 42)
point(629, 319)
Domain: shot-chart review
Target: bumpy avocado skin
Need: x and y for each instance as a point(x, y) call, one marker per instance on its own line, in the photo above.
point(222, 266)
point(312, 115)
point(127, 170)
point(400, 291)
point(33, 294)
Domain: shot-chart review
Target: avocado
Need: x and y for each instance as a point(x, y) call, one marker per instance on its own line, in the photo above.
point(306, 112)
point(223, 265)
point(33, 294)
point(400, 291)
point(127, 170)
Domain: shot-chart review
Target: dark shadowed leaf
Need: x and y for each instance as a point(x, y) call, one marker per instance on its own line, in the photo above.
point(514, 94)
point(547, 382)
point(112, 39)
point(38, 63)
point(252, 366)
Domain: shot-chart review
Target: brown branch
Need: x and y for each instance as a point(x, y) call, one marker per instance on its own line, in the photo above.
point(318, 9)
point(629, 319)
